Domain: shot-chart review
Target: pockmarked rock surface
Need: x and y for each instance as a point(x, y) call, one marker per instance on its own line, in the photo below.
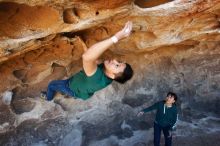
point(174, 46)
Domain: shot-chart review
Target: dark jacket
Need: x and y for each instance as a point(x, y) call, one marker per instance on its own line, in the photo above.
point(165, 116)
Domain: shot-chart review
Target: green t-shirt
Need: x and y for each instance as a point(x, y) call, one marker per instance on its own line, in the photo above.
point(84, 87)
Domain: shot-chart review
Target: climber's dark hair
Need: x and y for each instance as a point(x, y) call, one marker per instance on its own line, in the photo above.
point(125, 75)
point(173, 95)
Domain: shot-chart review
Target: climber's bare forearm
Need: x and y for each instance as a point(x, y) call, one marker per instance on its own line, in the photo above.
point(96, 50)
point(91, 56)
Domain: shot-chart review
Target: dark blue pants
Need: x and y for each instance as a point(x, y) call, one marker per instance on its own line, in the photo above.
point(59, 86)
point(157, 134)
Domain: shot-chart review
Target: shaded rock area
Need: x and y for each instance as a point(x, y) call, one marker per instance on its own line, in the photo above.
point(174, 46)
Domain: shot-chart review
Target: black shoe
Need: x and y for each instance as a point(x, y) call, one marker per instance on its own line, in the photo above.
point(43, 95)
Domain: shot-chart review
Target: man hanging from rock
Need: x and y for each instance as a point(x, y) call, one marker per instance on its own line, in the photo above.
point(166, 118)
point(94, 76)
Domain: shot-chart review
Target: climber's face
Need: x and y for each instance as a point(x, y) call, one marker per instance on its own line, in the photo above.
point(170, 99)
point(114, 67)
